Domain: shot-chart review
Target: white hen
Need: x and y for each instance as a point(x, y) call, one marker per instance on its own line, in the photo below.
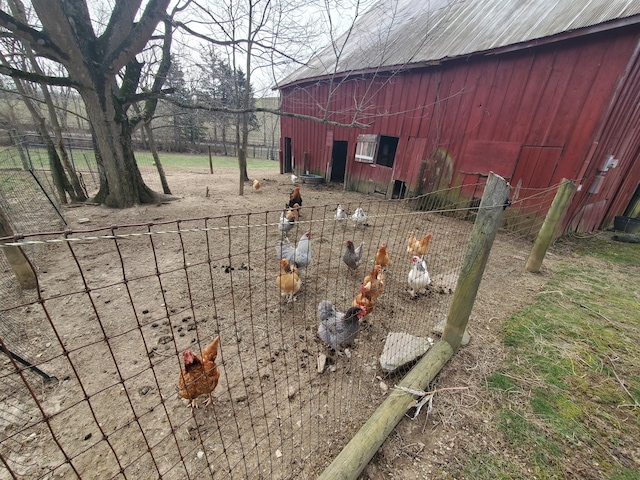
point(341, 213)
point(285, 224)
point(359, 216)
point(418, 277)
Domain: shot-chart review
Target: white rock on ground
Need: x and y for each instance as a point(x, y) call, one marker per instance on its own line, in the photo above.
point(402, 348)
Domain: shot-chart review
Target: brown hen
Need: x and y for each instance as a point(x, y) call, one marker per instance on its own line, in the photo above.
point(200, 374)
point(382, 256)
point(363, 299)
point(373, 283)
point(418, 248)
point(288, 281)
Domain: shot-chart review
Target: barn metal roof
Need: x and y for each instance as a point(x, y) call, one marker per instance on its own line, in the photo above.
point(400, 33)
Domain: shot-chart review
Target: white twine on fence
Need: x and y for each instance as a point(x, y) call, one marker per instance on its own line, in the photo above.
point(203, 229)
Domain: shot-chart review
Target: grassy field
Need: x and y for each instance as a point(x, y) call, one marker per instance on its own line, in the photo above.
point(86, 158)
point(202, 161)
point(567, 395)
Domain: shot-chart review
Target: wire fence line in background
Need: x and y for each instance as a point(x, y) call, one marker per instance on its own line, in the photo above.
point(28, 195)
point(103, 337)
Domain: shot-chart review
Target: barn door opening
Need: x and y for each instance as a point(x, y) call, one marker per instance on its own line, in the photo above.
point(633, 209)
point(536, 166)
point(338, 160)
point(287, 167)
point(399, 189)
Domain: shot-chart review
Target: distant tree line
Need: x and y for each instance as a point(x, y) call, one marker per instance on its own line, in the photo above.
point(177, 127)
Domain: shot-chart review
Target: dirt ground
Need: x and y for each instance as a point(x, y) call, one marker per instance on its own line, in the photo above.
point(432, 446)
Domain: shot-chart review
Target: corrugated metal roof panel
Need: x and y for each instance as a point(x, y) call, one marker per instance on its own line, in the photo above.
point(400, 32)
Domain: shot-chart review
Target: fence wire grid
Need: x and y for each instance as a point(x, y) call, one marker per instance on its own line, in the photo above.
point(101, 341)
point(28, 195)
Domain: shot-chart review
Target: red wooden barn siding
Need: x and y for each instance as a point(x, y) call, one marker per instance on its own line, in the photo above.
point(531, 115)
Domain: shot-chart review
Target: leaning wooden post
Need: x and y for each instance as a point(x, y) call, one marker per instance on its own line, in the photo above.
point(18, 143)
point(20, 264)
point(547, 232)
point(492, 205)
point(360, 450)
point(210, 161)
point(363, 446)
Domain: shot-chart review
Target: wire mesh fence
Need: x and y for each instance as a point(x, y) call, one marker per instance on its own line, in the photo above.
point(91, 381)
point(83, 160)
point(27, 192)
point(27, 198)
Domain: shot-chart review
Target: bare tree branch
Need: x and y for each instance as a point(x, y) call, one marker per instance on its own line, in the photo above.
point(36, 78)
point(36, 99)
point(240, 111)
point(139, 36)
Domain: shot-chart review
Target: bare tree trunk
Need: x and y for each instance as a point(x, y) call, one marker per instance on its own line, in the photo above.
point(224, 140)
point(76, 193)
point(13, 134)
point(121, 183)
point(57, 171)
point(154, 151)
point(156, 158)
point(16, 258)
point(241, 127)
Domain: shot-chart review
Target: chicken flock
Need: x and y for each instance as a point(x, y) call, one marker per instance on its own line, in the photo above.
point(336, 329)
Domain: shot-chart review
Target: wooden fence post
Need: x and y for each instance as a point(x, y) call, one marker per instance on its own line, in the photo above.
point(210, 161)
point(360, 450)
point(18, 144)
point(547, 232)
point(363, 446)
point(20, 264)
point(492, 205)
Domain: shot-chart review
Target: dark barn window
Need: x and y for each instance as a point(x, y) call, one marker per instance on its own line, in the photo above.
point(387, 151)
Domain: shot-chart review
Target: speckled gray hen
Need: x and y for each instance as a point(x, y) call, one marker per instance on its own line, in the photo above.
point(338, 329)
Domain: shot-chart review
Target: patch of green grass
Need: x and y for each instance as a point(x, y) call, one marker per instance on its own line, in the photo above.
point(202, 161)
point(485, 465)
point(86, 159)
point(622, 473)
point(544, 452)
point(617, 252)
point(564, 391)
point(499, 381)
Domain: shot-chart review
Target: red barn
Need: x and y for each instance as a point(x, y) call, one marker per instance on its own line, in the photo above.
point(429, 95)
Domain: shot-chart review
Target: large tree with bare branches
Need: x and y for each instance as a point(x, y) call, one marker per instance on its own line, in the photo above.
point(102, 61)
point(104, 70)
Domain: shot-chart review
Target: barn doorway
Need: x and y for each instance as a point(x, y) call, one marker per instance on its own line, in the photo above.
point(338, 160)
point(536, 166)
point(287, 167)
point(633, 209)
point(399, 189)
